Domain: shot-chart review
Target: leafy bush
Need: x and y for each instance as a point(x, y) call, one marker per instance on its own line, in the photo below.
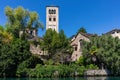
point(57, 70)
point(11, 55)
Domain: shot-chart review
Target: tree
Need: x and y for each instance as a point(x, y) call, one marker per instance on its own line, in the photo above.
point(93, 50)
point(65, 42)
point(48, 43)
point(21, 19)
point(63, 39)
point(29, 63)
point(80, 61)
point(82, 29)
point(11, 55)
point(56, 44)
point(107, 52)
point(53, 41)
point(5, 36)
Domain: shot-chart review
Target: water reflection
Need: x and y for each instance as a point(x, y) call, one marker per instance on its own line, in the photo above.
point(76, 78)
point(96, 78)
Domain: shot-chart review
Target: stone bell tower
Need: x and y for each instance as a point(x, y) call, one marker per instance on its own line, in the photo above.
point(52, 18)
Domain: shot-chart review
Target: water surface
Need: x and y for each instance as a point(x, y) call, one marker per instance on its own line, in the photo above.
point(77, 78)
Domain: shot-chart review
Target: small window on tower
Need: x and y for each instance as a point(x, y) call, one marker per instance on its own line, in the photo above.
point(50, 19)
point(54, 19)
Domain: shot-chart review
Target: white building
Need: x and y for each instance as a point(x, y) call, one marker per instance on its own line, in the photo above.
point(52, 17)
point(114, 33)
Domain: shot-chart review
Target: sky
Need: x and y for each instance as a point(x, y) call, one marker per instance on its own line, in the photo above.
point(97, 16)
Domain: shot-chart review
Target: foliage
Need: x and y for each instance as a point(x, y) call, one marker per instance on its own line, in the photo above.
point(49, 62)
point(25, 65)
point(91, 66)
point(80, 61)
point(108, 52)
point(12, 54)
point(82, 29)
point(93, 50)
point(5, 36)
point(56, 44)
point(57, 70)
point(53, 41)
point(21, 19)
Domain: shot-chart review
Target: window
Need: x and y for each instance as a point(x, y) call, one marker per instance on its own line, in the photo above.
point(80, 42)
point(54, 19)
point(50, 19)
point(54, 11)
point(75, 48)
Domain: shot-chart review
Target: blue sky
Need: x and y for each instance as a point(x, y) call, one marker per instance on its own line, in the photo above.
point(97, 16)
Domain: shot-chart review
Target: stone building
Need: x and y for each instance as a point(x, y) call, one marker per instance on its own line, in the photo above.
point(114, 33)
point(52, 17)
point(31, 34)
point(76, 43)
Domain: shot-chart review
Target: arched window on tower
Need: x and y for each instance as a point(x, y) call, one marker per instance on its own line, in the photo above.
point(54, 11)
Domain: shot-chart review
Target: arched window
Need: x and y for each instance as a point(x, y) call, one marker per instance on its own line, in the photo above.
point(80, 42)
point(75, 48)
point(52, 11)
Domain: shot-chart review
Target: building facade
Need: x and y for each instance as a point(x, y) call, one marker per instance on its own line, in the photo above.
point(52, 18)
point(114, 33)
point(76, 42)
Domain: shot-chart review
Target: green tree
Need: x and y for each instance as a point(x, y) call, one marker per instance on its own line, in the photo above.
point(48, 42)
point(107, 52)
point(5, 36)
point(21, 19)
point(80, 61)
point(12, 54)
point(29, 63)
point(82, 29)
point(93, 50)
point(65, 43)
point(56, 44)
point(53, 41)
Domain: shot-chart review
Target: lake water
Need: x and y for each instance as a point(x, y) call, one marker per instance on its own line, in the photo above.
point(77, 78)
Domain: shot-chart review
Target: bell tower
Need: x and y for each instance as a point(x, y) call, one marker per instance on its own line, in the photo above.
point(52, 18)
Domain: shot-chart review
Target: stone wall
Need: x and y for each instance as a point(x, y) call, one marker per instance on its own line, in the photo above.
point(76, 42)
point(100, 72)
point(35, 49)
